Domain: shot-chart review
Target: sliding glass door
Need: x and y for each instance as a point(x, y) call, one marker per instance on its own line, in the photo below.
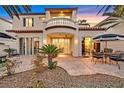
point(29, 46)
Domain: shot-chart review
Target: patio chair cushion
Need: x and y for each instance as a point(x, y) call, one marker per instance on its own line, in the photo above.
point(98, 55)
point(117, 58)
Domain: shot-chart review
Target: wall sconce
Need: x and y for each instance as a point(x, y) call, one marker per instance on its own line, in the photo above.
point(44, 41)
point(76, 41)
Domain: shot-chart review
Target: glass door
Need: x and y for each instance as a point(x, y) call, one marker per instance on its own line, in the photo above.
point(62, 43)
point(22, 46)
point(88, 46)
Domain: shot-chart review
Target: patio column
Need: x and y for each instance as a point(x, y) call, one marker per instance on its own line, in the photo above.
point(32, 45)
point(44, 38)
point(25, 46)
point(76, 43)
point(41, 41)
point(29, 49)
point(80, 45)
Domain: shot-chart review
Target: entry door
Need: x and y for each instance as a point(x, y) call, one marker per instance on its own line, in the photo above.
point(97, 47)
point(62, 43)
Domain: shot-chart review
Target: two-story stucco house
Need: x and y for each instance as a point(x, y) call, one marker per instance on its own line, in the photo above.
point(55, 26)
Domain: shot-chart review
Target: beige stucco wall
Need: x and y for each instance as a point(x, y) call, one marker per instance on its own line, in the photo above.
point(2, 47)
point(5, 26)
point(18, 23)
point(116, 45)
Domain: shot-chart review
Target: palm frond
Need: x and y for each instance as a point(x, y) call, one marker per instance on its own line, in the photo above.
point(6, 8)
point(26, 8)
point(113, 25)
point(50, 50)
point(18, 9)
point(101, 9)
point(108, 23)
point(15, 9)
point(107, 8)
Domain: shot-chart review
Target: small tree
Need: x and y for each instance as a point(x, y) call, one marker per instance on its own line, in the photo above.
point(51, 51)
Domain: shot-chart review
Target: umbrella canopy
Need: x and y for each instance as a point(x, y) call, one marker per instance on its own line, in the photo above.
point(5, 36)
point(109, 37)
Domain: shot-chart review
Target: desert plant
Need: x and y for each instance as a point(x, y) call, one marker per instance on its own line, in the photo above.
point(9, 64)
point(51, 51)
point(35, 82)
point(53, 65)
point(38, 63)
point(9, 51)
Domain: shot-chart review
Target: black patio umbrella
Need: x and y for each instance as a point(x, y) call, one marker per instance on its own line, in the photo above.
point(108, 37)
point(3, 35)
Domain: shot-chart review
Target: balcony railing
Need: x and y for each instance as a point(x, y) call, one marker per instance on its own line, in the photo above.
point(60, 22)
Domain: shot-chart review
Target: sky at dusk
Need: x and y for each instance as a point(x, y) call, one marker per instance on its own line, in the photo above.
point(88, 12)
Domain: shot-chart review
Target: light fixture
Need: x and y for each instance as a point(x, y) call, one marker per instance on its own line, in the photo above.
point(61, 13)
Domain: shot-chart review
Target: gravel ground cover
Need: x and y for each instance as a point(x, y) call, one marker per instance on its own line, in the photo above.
point(59, 78)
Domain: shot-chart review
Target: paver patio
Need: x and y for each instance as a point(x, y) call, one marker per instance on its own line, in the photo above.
point(76, 66)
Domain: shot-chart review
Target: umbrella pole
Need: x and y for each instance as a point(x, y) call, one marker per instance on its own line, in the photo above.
point(105, 44)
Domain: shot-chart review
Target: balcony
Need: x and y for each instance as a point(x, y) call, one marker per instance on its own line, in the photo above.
point(60, 22)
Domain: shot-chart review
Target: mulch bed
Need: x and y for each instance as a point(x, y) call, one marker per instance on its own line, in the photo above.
point(59, 78)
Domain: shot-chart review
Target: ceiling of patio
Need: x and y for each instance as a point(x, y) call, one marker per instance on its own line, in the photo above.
point(60, 35)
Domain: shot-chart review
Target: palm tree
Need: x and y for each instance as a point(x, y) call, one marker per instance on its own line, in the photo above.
point(112, 10)
point(116, 16)
point(51, 51)
point(16, 9)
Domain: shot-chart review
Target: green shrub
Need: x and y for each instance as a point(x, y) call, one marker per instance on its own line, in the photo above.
point(9, 51)
point(38, 63)
point(37, 84)
point(9, 64)
point(53, 65)
point(108, 50)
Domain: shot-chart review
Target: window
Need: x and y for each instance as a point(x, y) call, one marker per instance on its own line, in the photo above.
point(28, 22)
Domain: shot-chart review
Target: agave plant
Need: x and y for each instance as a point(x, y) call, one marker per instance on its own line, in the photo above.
point(51, 51)
point(16, 9)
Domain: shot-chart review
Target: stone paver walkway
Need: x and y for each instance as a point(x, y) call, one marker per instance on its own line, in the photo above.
point(84, 66)
point(76, 66)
